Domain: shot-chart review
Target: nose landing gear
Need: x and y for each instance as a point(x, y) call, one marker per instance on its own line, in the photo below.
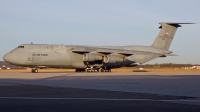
point(34, 70)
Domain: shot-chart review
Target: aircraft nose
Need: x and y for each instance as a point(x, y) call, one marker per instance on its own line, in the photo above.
point(14, 58)
point(7, 57)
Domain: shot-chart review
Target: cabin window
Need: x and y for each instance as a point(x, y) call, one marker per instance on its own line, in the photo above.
point(20, 47)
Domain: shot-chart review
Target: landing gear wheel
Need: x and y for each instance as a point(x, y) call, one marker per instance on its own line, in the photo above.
point(34, 70)
point(105, 69)
point(77, 70)
point(101, 70)
point(80, 70)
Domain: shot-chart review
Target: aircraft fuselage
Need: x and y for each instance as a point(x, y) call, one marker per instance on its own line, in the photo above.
point(56, 56)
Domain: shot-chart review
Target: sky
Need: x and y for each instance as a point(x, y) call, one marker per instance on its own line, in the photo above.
point(101, 23)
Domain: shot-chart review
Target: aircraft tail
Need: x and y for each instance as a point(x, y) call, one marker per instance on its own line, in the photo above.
point(166, 35)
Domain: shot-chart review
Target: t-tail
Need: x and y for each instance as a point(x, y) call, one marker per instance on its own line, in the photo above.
point(166, 35)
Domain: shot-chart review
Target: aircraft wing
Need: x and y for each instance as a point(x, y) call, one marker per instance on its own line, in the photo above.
point(111, 51)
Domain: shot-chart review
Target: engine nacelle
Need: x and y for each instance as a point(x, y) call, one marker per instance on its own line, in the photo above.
point(91, 57)
point(112, 59)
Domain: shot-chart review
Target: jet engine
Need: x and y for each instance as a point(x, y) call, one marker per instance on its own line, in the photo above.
point(91, 57)
point(112, 59)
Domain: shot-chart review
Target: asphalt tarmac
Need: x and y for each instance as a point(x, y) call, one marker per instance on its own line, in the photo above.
point(141, 92)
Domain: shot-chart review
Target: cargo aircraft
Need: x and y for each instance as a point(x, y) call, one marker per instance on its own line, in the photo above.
point(92, 58)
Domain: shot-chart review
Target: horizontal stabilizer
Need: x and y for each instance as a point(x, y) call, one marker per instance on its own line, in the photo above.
point(165, 55)
point(171, 55)
point(173, 24)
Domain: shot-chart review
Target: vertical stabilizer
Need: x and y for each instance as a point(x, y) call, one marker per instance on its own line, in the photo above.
point(166, 35)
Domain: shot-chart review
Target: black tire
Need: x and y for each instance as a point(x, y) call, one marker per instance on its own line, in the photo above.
point(33, 70)
point(83, 70)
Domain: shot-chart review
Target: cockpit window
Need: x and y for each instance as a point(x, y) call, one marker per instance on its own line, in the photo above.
point(20, 47)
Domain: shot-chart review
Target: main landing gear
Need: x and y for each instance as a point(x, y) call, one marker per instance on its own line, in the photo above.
point(34, 70)
point(80, 70)
point(92, 69)
point(105, 69)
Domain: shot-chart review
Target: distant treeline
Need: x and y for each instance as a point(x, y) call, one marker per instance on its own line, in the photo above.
point(166, 65)
point(2, 63)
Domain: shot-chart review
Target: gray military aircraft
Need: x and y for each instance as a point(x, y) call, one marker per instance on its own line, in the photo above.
point(92, 58)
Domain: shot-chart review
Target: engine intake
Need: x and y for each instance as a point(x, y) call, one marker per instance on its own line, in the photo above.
point(91, 57)
point(112, 59)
